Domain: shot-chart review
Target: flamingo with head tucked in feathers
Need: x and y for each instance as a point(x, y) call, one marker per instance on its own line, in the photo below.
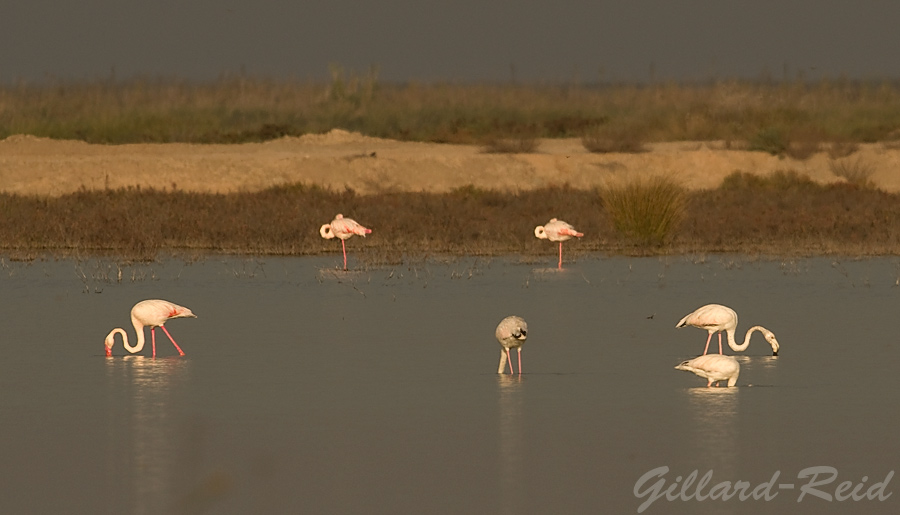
point(716, 318)
point(153, 313)
point(557, 230)
point(511, 333)
point(343, 228)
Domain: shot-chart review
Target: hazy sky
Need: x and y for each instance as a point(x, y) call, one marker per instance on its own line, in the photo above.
point(460, 40)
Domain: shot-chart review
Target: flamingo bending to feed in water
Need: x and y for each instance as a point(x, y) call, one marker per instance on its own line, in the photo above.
point(343, 228)
point(557, 230)
point(714, 368)
point(511, 333)
point(153, 313)
point(717, 318)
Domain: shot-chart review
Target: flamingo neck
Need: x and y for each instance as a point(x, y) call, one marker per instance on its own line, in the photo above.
point(742, 347)
point(138, 328)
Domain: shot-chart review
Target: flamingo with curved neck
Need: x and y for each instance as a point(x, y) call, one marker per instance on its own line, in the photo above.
point(716, 318)
point(153, 313)
point(713, 368)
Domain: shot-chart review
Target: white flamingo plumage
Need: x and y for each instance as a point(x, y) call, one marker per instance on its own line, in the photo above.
point(716, 318)
point(343, 228)
point(557, 230)
point(511, 334)
point(153, 313)
point(714, 368)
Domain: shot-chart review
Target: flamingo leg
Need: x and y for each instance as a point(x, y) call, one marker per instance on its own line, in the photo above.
point(509, 360)
point(172, 340)
point(344, 248)
point(153, 339)
point(519, 352)
point(560, 255)
point(720, 346)
point(709, 383)
point(708, 338)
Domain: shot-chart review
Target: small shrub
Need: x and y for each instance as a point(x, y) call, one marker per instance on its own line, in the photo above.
point(646, 211)
point(842, 148)
point(515, 145)
point(769, 140)
point(857, 171)
point(606, 139)
point(779, 180)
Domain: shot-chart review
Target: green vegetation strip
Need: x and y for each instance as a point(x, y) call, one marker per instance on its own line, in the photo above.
point(792, 117)
point(783, 215)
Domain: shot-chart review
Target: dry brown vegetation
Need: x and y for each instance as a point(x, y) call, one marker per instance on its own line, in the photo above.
point(784, 214)
point(245, 109)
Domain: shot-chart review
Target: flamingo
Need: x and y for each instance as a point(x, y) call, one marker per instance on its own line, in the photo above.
point(511, 333)
point(343, 228)
point(717, 318)
point(557, 230)
point(713, 367)
point(153, 313)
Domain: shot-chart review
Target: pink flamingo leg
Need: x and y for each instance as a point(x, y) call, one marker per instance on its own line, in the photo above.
point(708, 338)
point(720, 349)
point(509, 360)
point(172, 339)
point(519, 352)
point(344, 247)
point(153, 339)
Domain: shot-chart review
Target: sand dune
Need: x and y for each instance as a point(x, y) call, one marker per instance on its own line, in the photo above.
point(339, 159)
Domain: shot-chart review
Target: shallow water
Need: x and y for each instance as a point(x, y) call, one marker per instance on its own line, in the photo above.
point(307, 389)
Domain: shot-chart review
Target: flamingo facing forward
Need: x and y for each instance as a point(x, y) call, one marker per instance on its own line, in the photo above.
point(717, 318)
point(343, 228)
point(511, 333)
point(714, 368)
point(557, 230)
point(153, 313)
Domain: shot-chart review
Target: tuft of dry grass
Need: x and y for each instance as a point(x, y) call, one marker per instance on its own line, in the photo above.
point(646, 211)
point(857, 172)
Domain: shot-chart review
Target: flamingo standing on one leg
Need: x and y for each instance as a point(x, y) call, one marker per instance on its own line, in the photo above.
point(153, 313)
point(557, 230)
point(714, 368)
point(717, 318)
point(343, 228)
point(511, 333)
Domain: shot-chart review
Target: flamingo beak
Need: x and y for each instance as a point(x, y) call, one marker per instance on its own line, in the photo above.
point(108, 351)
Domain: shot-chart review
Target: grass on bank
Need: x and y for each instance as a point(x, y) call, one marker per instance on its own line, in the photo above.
point(784, 214)
point(772, 116)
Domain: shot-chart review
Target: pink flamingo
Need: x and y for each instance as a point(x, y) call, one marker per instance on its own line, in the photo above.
point(557, 230)
point(511, 334)
point(153, 313)
point(717, 318)
point(713, 368)
point(343, 228)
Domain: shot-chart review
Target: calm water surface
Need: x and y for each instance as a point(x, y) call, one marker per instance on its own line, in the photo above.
point(309, 390)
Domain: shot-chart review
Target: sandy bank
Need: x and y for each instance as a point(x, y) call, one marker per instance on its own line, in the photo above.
point(38, 166)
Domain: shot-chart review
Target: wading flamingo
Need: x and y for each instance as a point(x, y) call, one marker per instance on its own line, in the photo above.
point(511, 333)
point(557, 230)
point(714, 368)
point(716, 318)
point(343, 228)
point(153, 313)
